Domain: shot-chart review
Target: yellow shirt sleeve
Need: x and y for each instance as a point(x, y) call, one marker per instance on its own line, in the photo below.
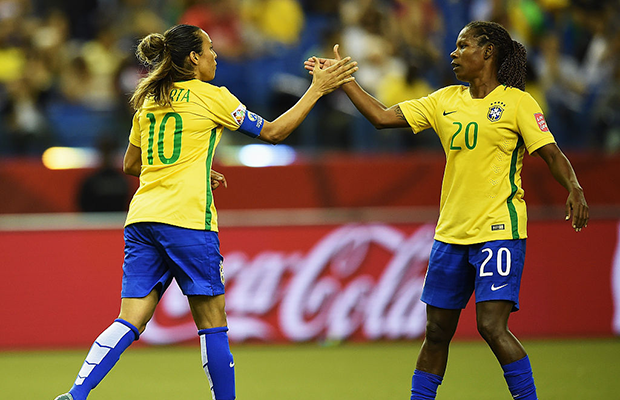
point(420, 112)
point(531, 124)
point(134, 135)
point(224, 108)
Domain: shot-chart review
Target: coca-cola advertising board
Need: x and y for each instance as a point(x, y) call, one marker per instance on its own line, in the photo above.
point(303, 283)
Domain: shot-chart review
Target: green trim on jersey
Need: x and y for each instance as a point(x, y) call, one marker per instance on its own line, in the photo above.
point(514, 217)
point(210, 152)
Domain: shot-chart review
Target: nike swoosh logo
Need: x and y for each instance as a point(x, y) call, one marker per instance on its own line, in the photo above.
point(448, 113)
point(232, 364)
point(493, 288)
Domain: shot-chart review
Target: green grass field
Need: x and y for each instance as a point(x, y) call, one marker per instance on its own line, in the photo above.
point(566, 369)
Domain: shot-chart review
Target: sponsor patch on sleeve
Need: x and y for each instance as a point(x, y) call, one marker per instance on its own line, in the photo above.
point(540, 120)
point(239, 114)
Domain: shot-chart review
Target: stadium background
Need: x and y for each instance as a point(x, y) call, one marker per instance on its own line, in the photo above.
point(325, 237)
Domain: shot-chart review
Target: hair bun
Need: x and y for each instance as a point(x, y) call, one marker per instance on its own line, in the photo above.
point(151, 48)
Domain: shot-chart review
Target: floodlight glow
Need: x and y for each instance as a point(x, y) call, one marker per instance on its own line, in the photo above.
point(263, 155)
point(69, 158)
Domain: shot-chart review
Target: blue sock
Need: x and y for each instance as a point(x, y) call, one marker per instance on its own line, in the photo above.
point(424, 385)
point(218, 363)
point(520, 380)
point(102, 356)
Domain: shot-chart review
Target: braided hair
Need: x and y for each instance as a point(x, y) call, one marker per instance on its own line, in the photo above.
point(166, 57)
point(511, 55)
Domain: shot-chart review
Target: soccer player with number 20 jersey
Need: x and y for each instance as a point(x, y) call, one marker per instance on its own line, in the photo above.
point(485, 129)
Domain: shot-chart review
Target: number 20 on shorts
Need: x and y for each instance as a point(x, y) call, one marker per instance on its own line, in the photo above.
point(502, 264)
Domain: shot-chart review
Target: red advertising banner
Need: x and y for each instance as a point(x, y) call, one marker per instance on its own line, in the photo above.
point(356, 282)
point(332, 181)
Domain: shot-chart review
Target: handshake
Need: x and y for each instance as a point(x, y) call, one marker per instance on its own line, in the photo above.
point(330, 74)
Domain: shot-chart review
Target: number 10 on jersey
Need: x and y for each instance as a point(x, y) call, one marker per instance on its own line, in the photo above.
point(178, 133)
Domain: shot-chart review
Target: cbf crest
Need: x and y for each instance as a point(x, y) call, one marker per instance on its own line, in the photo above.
point(495, 111)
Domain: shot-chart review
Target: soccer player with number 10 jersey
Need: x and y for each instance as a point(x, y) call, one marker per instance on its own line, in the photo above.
point(171, 229)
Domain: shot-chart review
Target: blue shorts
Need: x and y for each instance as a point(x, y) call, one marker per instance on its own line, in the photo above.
point(492, 269)
point(155, 253)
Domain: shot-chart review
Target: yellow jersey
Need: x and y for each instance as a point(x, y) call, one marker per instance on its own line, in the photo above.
point(484, 141)
point(177, 145)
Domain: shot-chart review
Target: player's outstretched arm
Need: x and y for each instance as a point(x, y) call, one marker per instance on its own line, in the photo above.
point(563, 172)
point(375, 111)
point(325, 79)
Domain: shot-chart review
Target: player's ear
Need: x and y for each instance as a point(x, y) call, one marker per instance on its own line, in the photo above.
point(489, 50)
point(193, 57)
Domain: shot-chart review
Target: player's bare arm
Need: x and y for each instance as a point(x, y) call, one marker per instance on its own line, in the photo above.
point(399, 112)
point(132, 162)
point(375, 111)
point(562, 171)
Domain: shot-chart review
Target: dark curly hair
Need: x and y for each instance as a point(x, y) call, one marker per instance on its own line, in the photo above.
point(511, 55)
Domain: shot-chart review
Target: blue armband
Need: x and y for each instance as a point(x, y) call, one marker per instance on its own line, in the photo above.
point(252, 124)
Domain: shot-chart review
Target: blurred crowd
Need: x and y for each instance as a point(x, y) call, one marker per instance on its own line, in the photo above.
point(67, 67)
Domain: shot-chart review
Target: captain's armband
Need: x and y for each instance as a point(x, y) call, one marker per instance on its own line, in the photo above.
point(251, 124)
